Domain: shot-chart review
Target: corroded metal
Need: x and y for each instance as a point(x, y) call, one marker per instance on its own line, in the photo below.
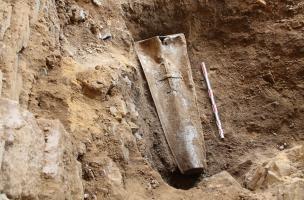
point(167, 68)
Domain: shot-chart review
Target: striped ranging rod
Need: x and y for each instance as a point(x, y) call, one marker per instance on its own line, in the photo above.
point(214, 107)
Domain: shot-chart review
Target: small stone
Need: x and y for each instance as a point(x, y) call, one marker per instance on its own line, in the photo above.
point(61, 37)
point(82, 148)
point(275, 104)
point(154, 183)
point(86, 196)
point(78, 14)
point(149, 187)
point(88, 173)
point(269, 78)
point(10, 138)
point(106, 36)
point(138, 136)
point(43, 71)
point(112, 172)
point(123, 108)
point(132, 110)
point(281, 147)
point(98, 67)
point(133, 127)
point(82, 15)
point(261, 2)
point(113, 110)
point(53, 61)
point(97, 2)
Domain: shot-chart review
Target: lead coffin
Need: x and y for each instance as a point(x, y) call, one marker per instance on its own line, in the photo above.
point(166, 65)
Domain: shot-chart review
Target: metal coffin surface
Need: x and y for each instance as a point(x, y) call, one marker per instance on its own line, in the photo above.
point(166, 65)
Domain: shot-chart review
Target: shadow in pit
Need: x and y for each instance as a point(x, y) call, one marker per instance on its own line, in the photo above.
point(182, 181)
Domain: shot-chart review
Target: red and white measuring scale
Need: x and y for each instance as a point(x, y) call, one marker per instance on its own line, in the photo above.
point(214, 107)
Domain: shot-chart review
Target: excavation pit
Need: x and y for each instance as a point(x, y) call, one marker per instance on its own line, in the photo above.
point(228, 39)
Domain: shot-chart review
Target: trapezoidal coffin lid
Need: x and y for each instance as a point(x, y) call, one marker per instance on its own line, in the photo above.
point(166, 65)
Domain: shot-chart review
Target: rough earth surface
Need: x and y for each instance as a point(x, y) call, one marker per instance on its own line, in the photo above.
point(77, 120)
